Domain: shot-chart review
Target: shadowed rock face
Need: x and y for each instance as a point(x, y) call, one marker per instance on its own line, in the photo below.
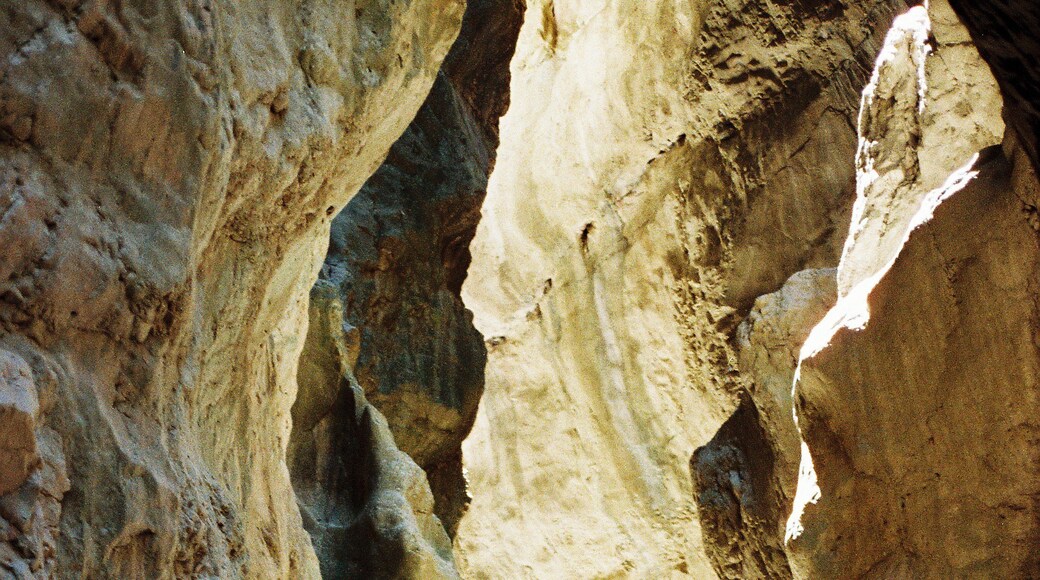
point(366, 505)
point(168, 175)
point(396, 261)
point(1005, 32)
point(734, 479)
point(917, 396)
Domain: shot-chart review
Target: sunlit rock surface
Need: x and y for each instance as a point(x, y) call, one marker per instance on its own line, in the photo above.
point(1005, 32)
point(692, 207)
point(661, 165)
point(917, 392)
point(922, 425)
point(168, 174)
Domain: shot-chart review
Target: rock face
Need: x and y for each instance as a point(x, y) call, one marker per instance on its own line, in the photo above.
point(917, 392)
point(661, 165)
point(1005, 32)
point(903, 418)
point(366, 504)
point(396, 261)
point(745, 477)
point(695, 206)
point(168, 175)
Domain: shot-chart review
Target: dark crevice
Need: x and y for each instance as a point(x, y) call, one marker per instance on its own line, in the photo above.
point(740, 512)
point(397, 260)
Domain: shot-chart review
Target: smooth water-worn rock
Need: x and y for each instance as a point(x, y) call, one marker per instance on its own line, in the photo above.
point(700, 216)
point(661, 165)
point(168, 174)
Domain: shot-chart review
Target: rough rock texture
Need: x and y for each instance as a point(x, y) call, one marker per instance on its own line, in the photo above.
point(1005, 32)
point(662, 164)
point(745, 477)
point(922, 426)
point(917, 392)
point(168, 173)
point(399, 253)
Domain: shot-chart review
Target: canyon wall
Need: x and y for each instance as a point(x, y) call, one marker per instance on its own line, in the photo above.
point(693, 218)
point(916, 394)
point(388, 326)
point(630, 337)
point(169, 172)
point(662, 165)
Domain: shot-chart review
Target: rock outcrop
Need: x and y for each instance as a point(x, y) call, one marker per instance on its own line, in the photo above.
point(395, 266)
point(752, 291)
point(745, 477)
point(168, 174)
point(660, 167)
point(365, 503)
point(1005, 33)
point(916, 393)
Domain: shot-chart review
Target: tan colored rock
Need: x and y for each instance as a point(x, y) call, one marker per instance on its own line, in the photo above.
point(926, 111)
point(916, 392)
point(920, 424)
point(661, 166)
point(163, 217)
point(1005, 33)
point(19, 410)
point(745, 477)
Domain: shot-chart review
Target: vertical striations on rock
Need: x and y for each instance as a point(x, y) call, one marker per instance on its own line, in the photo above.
point(661, 166)
point(396, 261)
point(916, 394)
point(168, 174)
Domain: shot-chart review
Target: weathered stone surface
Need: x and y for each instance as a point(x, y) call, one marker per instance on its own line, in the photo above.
point(916, 397)
point(366, 505)
point(168, 173)
point(745, 477)
point(399, 253)
point(662, 164)
point(1005, 33)
point(922, 425)
point(19, 410)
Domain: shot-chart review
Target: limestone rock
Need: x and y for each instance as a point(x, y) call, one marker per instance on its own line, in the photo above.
point(916, 392)
point(19, 410)
point(745, 477)
point(1005, 32)
point(400, 249)
point(661, 165)
point(168, 173)
point(367, 505)
point(920, 424)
